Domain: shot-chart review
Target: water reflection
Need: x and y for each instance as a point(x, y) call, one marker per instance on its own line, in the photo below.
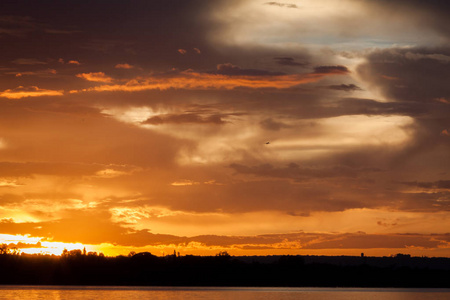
point(186, 293)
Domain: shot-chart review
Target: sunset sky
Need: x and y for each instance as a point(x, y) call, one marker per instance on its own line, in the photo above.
point(315, 127)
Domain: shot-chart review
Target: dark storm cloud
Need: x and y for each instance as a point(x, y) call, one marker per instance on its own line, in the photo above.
point(230, 69)
point(55, 29)
point(345, 87)
point(431, 14)
point(289, 61)
point(331, 70)
point(418, 79)
point(415, 74)
point(315, 107)
point(355, 106)
point(185, 118)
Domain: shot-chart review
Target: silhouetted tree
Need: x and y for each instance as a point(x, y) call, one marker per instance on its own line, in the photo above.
point(220, 270)
point(65, 253)
point(223, 254)
point(75, 253)
point(4, 249)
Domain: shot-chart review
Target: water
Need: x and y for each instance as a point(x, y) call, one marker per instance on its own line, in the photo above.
point(188, 293)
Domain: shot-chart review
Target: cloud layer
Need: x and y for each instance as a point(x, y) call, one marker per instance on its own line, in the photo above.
point(255, 130)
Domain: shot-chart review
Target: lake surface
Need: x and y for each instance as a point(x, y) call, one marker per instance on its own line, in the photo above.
point(213, 293)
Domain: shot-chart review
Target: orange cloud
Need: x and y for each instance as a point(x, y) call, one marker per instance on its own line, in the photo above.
point(184, 183)
point(80, 226)
point(197, 50)
point(70, 62)
point(97, 77)
point(201, 81)
point(124, 66)
point(445, 132)
point(182, 51)
point(33, 91)
point(443, 100)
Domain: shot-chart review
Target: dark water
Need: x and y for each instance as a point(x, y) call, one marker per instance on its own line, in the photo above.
point(165, 293)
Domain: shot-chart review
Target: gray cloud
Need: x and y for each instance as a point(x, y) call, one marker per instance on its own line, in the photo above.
point(440, 184)
point(289, 61)
point(186, 118)
point(404, 77)
point(288, 5)
point(345, 87)
point(417, 84)
point(355, 106)
point(230, 69)
point(331, 70)
point(431, 14)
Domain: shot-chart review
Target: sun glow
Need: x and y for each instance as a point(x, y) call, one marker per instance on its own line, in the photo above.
point(39, 245)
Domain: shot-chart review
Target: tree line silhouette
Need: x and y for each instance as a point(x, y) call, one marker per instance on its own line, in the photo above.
point(76, 267)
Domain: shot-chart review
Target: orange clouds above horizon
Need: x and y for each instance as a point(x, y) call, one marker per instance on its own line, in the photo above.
point(189, 79)
point(193, 80)
point(222, 79)
point(34, 91)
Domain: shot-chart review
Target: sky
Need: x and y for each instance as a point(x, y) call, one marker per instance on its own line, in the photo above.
point(311, 127)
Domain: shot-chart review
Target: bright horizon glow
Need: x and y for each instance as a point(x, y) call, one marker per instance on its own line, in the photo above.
point(57, 248)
